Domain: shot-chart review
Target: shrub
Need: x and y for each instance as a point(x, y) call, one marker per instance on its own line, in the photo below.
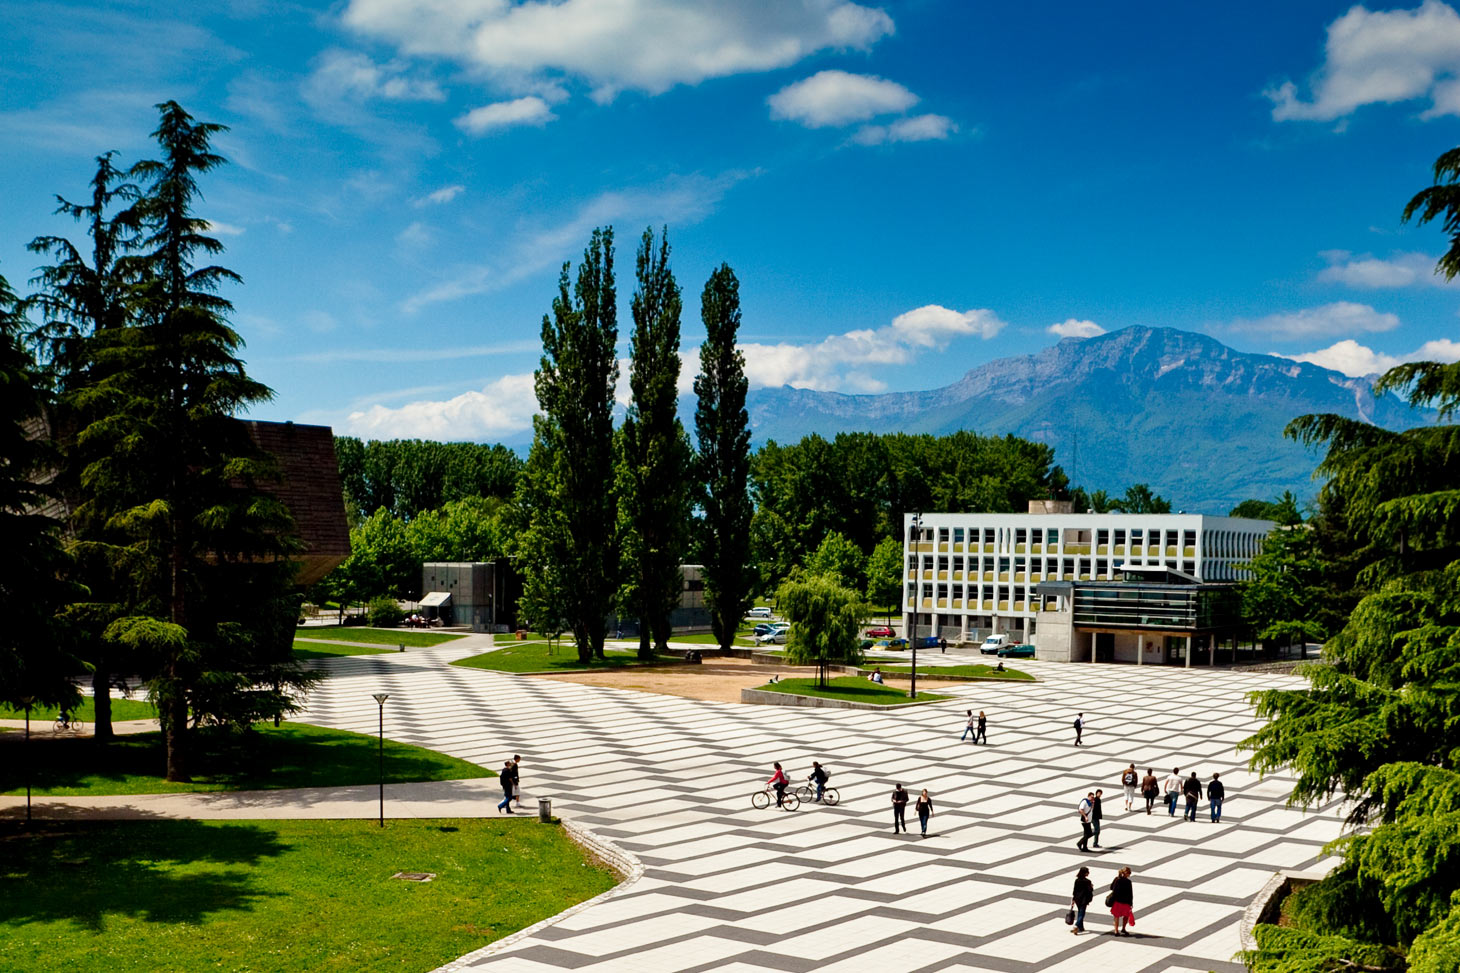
point(384, 612)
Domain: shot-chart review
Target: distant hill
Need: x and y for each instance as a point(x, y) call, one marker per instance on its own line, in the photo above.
point(1198, 421)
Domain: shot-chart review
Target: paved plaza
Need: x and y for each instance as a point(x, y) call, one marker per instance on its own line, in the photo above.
point(735, 890)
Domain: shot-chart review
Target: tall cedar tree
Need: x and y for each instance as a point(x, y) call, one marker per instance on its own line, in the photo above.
point(77, 300)
point(566, 493)
point(655, 454)
point(171, 477)
point(30, 665)
point(722, 427)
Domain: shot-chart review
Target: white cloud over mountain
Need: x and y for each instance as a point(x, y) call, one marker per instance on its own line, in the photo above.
point(1075, 328)
point(1356, 360)
point(1337, 318)
point(1375, 273)
point(1381, 56)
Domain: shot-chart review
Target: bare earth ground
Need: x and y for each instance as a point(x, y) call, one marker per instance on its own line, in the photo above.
point(718, 680)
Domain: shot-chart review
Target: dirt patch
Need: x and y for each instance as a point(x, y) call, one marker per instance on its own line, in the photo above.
point(716, 679)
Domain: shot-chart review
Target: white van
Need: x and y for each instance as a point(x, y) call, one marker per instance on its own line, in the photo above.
point(760, 611)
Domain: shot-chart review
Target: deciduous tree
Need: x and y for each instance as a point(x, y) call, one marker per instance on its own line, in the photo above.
point(825, 621)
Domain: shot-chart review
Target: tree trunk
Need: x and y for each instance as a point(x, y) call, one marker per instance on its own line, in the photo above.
point(101, 693)
point(585, 646)
point(174, 713)
point(646, 651)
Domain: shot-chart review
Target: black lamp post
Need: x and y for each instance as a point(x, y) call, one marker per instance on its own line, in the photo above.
point(26, 701)
point(917, 536)
point(381, 698)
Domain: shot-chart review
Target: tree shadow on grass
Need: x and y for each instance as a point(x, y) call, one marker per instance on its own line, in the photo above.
point(166, 871)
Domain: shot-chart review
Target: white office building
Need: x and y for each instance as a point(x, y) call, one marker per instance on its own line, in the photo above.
point(974, 574)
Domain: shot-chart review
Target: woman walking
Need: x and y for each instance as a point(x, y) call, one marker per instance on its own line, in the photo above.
point(925, 810)
point(1122, 898)
point(1150, 789)
point(1080, 900)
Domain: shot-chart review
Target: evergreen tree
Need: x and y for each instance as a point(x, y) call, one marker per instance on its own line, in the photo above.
point(722, 428)
point(654, 454)
point(567, 491)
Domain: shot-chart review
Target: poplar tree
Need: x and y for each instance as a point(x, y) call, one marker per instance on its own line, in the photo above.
point(655, 454)
point(567, 490)
point(722, 429)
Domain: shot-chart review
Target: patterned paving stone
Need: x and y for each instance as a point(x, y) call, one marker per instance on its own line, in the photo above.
point(731, 889)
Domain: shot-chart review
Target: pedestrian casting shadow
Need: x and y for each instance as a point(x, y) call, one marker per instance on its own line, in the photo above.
point(170, 871)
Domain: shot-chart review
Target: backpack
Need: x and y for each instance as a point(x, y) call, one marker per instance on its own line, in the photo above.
point(1076, 724)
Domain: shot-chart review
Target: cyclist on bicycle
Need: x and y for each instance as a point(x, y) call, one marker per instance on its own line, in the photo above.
point(819, 776)
point(779, 780)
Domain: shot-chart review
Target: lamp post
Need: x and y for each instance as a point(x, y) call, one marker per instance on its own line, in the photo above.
point(27, 701)
point(916, 532)
point(381, 698)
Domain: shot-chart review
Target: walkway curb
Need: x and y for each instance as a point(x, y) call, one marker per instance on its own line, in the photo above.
point(625, 862)
point(790, 699)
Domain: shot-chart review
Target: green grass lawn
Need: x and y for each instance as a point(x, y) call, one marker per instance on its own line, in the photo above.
point(854, 689)
point(122, 709)
point(708, 638)
point(323, 650)
point(278, 896)
point(533, 657)
point(933, 672)
point(409, 637)
point(291, 755)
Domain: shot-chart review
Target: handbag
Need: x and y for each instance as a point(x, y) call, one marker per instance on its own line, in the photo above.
point(1110, 900)
point(1070, 916)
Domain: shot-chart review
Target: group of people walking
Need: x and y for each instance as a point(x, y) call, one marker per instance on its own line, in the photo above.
point(1176, 788)
point(510, 778)
point(924, 808)
point(1120, 902)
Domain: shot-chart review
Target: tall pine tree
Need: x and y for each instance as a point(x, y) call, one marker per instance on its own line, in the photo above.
point(722, 427)
point(567, 491)
point(654, 454)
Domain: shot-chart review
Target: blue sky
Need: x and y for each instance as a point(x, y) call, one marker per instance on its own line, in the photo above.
point(906, 191)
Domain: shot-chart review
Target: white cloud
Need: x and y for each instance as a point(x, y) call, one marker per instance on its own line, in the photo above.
point(1075, 328)
point(219, 228)
point(1381, 57)
point(416, 236)
point(855, 360)
point(502, 407)
point(1340, 317)
point(528, 110)
point(1373, 273)
point(642, 45)
point(320, 322)
point(441, 196)
point(839, 98)
point(1357, 361)
point(351, 76)
point(919, 128)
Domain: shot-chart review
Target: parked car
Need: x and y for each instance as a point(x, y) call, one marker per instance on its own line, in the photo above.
point(928, 641)
point(880, 632)
point(761, 629)
point(1017, 652)
point(994, 643)
point(892, 644)
point(759, 611)
point(776, 635)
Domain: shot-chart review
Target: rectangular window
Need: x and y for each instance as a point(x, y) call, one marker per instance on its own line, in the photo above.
point(1102, 536)
point(1052, 536)
point(1137, 537)
point(988, 535)
point(943, 591)
point(1021, 536)
point(1003, 565)
point(1188, 538)
point(927, 591)
point(942, 535)
point(1068, 566)
point(943, 562)
point(1120, 536)
point(958, 535)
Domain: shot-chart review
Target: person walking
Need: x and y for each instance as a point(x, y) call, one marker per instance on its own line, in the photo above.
point(1128, 780)
point(925, 810)
point(1216, 793)
point(1080, 900)
point(779, 780)
point(899, 810)
point(1084, 808)
point(970, 729)
point(1079, 728)
point(983, 729)
point(1172, 787)
point(1150, 789)
point(506, 782)
point(1096, 813)
point(517, 779)
point(1192, 789)
point(1122, 901)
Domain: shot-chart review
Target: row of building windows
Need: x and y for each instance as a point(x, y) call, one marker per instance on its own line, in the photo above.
point(942, 564)
point(1215, 543)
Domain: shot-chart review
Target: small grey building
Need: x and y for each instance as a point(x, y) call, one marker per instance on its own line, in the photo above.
point(479, 594)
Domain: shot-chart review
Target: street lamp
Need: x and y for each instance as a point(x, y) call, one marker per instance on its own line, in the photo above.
point(916, 532)
point(381, 698)
point(27, 701)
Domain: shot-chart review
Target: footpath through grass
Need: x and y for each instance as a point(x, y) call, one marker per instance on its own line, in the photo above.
point(981, 671)
point(855, 689)
point(278, 896)
point(269, 758)
point(409, 637)
point(122, 709)
point(534, 657)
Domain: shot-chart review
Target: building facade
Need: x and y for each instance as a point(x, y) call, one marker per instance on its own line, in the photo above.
point(969, 575)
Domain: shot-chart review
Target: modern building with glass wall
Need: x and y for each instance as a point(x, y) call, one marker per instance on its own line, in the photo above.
point(969, 575)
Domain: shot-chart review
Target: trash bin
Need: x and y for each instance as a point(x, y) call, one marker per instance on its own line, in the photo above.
point(545, 809)
point(521, 634)
point(402, 647)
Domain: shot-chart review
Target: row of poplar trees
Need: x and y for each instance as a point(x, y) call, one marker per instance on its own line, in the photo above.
point(140, 538)
point(609, 515)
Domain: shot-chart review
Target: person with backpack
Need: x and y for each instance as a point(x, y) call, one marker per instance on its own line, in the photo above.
point(1096, 813)
point(1084, 808)
point(1128, 781)
point(1191, 787)
point(1079, 728)
point(899, 810)
point(970, 729)
point(1150, 789)
point(1216, 793)
point(819, 777)
point(1173, 787)
point(1080, 900)
point(779, 780)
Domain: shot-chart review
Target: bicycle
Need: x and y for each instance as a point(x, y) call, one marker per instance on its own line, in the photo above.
point(66, 721)
point(761, 800)
point(829, 795)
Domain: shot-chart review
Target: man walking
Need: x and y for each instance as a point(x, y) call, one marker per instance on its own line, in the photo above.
point(1172, 788)
point(983, 729)
point(517, 779)
point(1216, 793)
point(1085, 807)
point(1079, 728)
point(969, 729)
point(1192, 790)
point(1096, 814)
point(899, 810)
point(1128, 780)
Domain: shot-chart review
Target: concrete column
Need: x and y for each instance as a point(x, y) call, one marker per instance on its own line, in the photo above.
point(1140, 650)
point(1213, 648)
point(1188, 652)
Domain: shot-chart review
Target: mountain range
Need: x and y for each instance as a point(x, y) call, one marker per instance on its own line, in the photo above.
point(1200, 422)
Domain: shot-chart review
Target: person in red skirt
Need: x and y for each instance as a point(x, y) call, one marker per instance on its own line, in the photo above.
point(1122, 898)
